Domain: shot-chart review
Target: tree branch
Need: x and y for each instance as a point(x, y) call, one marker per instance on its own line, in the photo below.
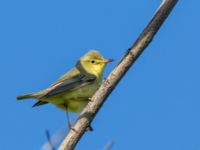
point(116, 75)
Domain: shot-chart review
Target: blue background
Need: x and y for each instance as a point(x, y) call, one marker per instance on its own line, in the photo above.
point(156, 105)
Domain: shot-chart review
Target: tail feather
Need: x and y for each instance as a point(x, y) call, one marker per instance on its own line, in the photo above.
point(39, 103)
point(26, 96)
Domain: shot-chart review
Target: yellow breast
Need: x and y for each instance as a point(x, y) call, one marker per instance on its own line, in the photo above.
point(75, 100)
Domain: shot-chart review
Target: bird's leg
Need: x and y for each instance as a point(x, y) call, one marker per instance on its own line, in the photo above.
point(89, 128)
point(68, 121)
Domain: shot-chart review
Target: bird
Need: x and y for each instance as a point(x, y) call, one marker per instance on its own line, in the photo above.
point(72, 91)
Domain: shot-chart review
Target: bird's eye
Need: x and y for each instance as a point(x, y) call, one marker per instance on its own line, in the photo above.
point(92, 61)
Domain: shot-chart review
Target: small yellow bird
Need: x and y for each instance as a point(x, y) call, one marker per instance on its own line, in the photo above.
point(72, 91)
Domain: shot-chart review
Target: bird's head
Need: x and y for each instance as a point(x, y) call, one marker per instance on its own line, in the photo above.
point(93, 63)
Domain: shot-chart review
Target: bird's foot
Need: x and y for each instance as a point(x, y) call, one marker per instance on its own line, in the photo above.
point(90, 99)
point(89, 128)
point(71, 128)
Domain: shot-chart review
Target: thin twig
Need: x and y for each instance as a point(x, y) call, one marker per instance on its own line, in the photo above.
point(49, 140)
point(55, 139)
point(116, 75)
point(109, 145)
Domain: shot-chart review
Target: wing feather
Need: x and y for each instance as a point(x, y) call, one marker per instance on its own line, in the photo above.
point(78, 80)
point(67, 75)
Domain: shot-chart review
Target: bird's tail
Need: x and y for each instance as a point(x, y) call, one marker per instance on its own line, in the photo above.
point(26, 96)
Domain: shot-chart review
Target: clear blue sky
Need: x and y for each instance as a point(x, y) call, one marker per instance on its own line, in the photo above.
point(157, 104)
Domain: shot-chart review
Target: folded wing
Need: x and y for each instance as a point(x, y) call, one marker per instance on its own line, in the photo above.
point(76, 81)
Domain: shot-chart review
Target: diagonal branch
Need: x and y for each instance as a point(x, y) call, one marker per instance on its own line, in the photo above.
point(116, 75)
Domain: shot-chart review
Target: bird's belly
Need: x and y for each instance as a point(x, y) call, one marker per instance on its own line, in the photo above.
point(76, 99)
point(76, 106)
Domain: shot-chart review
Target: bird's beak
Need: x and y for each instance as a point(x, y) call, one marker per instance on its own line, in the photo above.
point(107, 61)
